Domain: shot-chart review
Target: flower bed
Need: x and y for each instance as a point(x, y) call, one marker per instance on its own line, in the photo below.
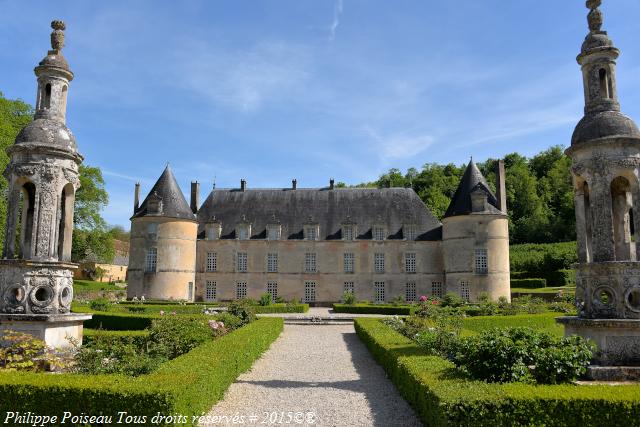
point(441, 396)
point(187, 385)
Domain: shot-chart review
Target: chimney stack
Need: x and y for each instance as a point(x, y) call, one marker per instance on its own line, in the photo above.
point(331, 183)
point(195, 196)
point(501, 189)
point(243, 185)
point(136, 198)
point(294, 184)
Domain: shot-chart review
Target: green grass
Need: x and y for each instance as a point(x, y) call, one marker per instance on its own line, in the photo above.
point(544, 321)
point(91, 285)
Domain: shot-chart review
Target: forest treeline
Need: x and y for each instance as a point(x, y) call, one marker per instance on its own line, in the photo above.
point(539, 192)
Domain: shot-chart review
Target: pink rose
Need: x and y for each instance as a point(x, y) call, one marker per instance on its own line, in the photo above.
point(423, 298)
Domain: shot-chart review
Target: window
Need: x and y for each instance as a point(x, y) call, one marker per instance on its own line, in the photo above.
point(210, 291)
point(213, 231)
point(410, 262)
point(465, 292)
point(310, 263)
point(272, 263)
point(152, 230)
point(242, 232)
point(378, 262)
point(242, 262)
point(349, 262)
point(410, 232)
point(378, 233)
point(273, 232)
point(349, 287)
point(190, 292)
point(410, 292)
point(212, 261)
point(481, 261)
point(378, 292)
point(272, 288)
point(309, 292)
point(152, 260)
point(348, 232)
point(437, 290)
point(241, 290)
point(311, 232)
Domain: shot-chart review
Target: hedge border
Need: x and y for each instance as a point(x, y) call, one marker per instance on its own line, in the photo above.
point(404, 310)
point(188, 385)
point(139, 338)
point(281, 308)
point(442, 397)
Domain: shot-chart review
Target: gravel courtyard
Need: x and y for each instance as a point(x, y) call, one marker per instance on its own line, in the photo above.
point(320, 375)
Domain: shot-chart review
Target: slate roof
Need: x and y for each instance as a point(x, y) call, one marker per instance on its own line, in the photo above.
point(471, 180)
point(329, 208)
point(174, 205)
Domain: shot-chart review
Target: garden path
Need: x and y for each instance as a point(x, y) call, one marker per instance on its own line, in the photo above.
point(323, 370)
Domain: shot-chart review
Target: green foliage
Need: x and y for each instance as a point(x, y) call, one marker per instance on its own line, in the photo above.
point(139, 338)
point(101, 304)
point(540, 259)
point(506, 355)
point(230, 321)
point(94, 244)
point(266, 299)
point(176, 335)
point(117, 321)
point(14, 115)
point(189, 385)
point(244, 310)
point(348, 298)
point(373, 309)
point(442, 397)
point(288, 307)
point(452, 300)
point(528, 283)
point(23, 352)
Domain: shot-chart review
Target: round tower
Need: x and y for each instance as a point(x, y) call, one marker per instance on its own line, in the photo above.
point(475, 238)
point(163, 244)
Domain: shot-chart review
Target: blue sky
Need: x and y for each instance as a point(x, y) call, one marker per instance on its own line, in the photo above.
point(269, 90)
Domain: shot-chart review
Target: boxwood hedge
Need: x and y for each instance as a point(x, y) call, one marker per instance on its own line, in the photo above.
point(400, 310)
point(188, 385)
point(442, 397)
point(139, 338)
point(281, 308)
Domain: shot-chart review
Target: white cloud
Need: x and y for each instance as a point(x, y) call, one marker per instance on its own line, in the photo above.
point(241, 79)
point(399, 146)
point(337, 12)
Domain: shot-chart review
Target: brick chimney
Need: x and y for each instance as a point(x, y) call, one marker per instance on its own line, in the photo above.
point(501, 190)
point(195, 196)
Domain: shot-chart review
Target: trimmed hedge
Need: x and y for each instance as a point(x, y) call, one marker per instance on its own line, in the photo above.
point(188, 385)
point(117, 321)
point(528, 283)
point(400, 310)
point(139, 338)
point(442, 397)
point(281, 308)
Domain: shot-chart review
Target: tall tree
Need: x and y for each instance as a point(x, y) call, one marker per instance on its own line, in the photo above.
point(14, 115)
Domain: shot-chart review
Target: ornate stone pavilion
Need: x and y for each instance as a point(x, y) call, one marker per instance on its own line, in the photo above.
point(605, 150)
point(36, 282)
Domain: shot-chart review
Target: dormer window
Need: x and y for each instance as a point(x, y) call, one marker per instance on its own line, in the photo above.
point(348, 231)
point(478, 200)
point(311, 232)
point(379, 232)
point(274, 231)
point(154, 204)
point(213, 230)
point(243, 231)
point(409, 232)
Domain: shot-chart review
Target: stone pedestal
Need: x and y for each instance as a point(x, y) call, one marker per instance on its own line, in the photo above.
point(608, 290)
point(618, 340)
point(54, 329)
point(36, 287)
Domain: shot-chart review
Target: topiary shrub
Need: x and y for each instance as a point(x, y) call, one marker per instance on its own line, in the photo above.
point(243, 310)
point(349, 298)
point(176, 335)
point(100, 304)
point(266, 299)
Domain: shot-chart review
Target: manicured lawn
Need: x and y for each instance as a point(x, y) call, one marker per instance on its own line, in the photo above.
point(551, 290)
point(90, 285)
point(545, 321)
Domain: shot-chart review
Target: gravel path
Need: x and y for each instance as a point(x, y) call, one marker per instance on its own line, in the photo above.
point(323, 375)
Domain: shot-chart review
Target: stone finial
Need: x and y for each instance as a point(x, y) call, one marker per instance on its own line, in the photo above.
point(57, 35)
point(595, 16)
